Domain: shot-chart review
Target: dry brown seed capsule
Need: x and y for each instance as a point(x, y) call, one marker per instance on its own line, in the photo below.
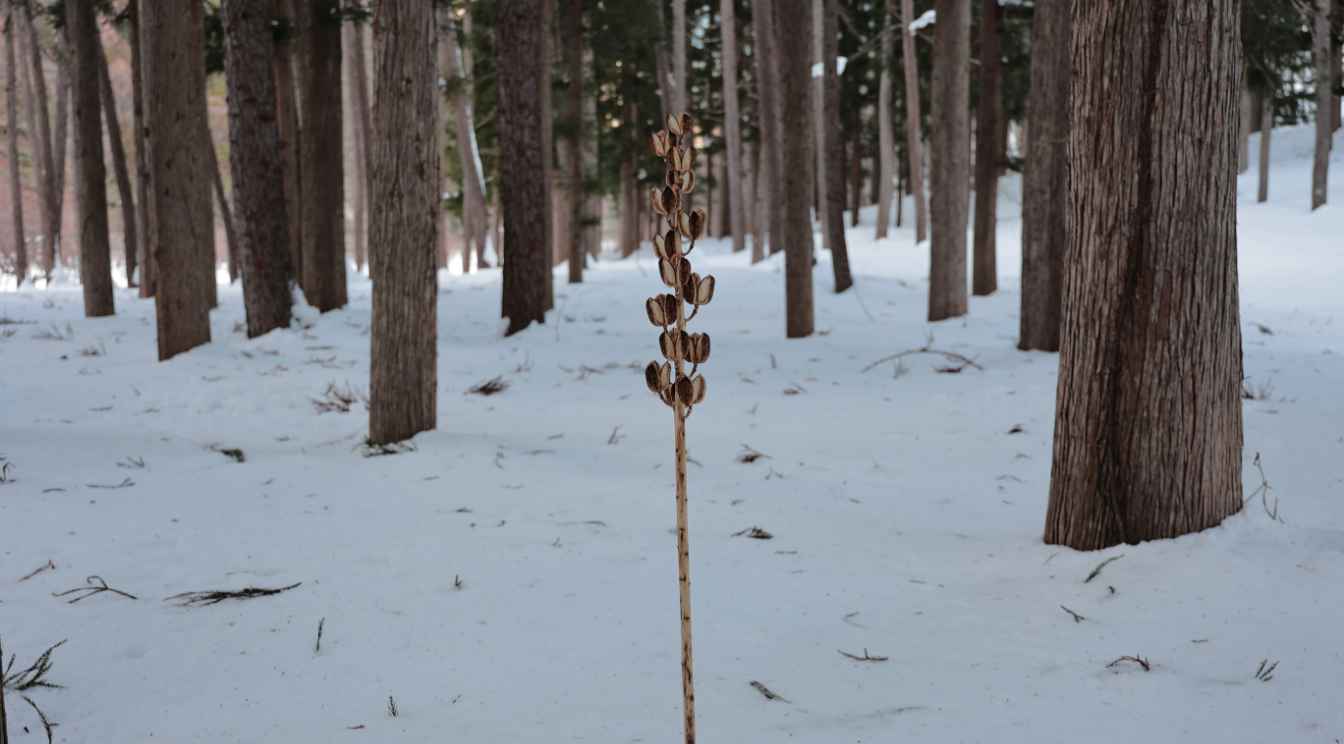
point(697, 223)
point(656, 201)
point(685, 122)
point(686, 391)
point(698, 387)
point(654, 307)
point(665, 376)
point(686, 181)
point(704, 291)
point(652, 377)
point(672, 244)
point(674, 125)
point(658, 245)
point(669, 342)
point(689, 283)
point(667, 272)
point(670, 307)
point(667, 394)
point(660, 143)
point(670, 200)
point(702, 348)
point(684, 224)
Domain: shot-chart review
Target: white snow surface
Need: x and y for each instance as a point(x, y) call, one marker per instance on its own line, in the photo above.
point(906, 518)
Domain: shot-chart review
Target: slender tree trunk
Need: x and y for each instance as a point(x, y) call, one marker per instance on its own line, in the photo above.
point(772, 123)
point(732, 129)
point(949, 159)
point(129, 228)
point(755, 202)
point(357, 81)
point(1244, 131)
point(257, 165)
point(95, 257)
point(173, 67)
point(322, 145)
point(403, 384)
point(989, 143)
point(474, 217)
point(225, 210)
point(62, 139)
point(855, 169)
point(794, 38)
point(1148, 430)
point(1337, 62)
point(148, 271)
point(818, 139)
point(287, 119)
point(913, 145)
point(592, 199)
point(833, 143)
point(1046, 178)
point(1320, 50)
point(679, 99)
point(12, 137)
point(520, 31)
point(547, 147)
point(571, 31)
point(40, 124)
point(885, 169)
point(1266, 130)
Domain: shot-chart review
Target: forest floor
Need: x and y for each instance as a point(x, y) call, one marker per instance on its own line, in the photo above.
point(512, 578)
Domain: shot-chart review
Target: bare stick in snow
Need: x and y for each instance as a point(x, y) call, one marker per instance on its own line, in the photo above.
point(96, 585)
point(1097, 571)
point(768, 693)
point(865, 656)
point(206, 598)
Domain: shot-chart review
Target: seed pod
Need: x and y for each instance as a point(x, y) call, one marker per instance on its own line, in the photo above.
point(652, 377)
point(667, 394)
point(670, 200)
point(704, 291)
point(686, 181)
point(669, 342)
point(689, 283)
point(672, 179)
point(697, 223)
point(656, 201)
point(684, 273)
point(665, 376)
point(658, 245)
point(697, 348)
point(667, 272)
point(698, 388)
point(683, 224)
point(660, 143)
point(686, 391)
point(674, 125)
point(669, 303)
point(685, 122)
point(654, 307)
point(671, 246)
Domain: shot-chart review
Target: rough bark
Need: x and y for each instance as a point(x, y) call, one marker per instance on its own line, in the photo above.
point(793, 38)
point(95, 257)
point(834, 144)
point(949, 159)
point(1045, 178)
point(913, 146)
point(1320, 52)
point(175, 109)
point(405, 205)
point(520, 32)
point(12, 138)
point(990, 127)
point(817, 141)
point(357, 80)
point(474, 218)
point(679, 88)
point(1244, 130)
point(61, 140)
point(751, 193)
point(257, 166)
point(886, 134)
point(40, 124)
point(322, 148)
point(130, 233)
point(1266, 132)
point(1148, 430)
point(771, 196)
point(287, 113)
point(592, 202)
point(732, 130)
point(142, 187)
point(571, 32)
point(547, 145)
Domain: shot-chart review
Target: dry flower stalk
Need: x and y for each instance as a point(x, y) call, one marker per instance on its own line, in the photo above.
point(679, 388)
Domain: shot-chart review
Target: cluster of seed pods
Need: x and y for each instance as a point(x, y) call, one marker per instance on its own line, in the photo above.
point(678, 229)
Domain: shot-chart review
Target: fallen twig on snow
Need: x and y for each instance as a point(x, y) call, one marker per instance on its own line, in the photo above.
point(31, 677)
point(865, 656)
point(125, 483)
point(1142, 662)
point(206, 598)
point(749, 455)
point(1097, 571)
point(1076, 617)
point(96, 585)
point(1266, 671)
point(962, 361)
point(48, 566)
point(755, 533)
point(317, 647)
point(1263, 491)
point(489, 387)
point(767, 692)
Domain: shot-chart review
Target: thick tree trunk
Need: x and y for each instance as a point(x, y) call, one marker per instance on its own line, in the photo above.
point(833, 143)
point(258, 166)
point(949, 159)
point(772, 123)
point(12, 138)
point(145, 257)
point(1148, 431)
point(520, 31)
point(474, 217)
point(732, 129)
point(40, 124)
point(287, 119)
point(990, 128)
point(1320, 51)
point(173, 67)
point(793, 38)
point(95, 257)
point(548, 146)
point(403, 383)
point(913, 146)
point(322, 146)
point(571, 31)
point(885, 170)
point(129, 228)
point(1045, 179)
point(357, 81)
point(1266, 131)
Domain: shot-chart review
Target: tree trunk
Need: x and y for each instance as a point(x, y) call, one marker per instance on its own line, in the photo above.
point(1320, 50)
point(855, 169)
point(732, 129)
point(357, 80)
point(547, 147)
point(752, 194)
point(679, 92)
point(287, 120)
point(258, 166)
point(1045, 179)
point(1266, 130)
point(834, 144)
point(95, 257)
point(913, 146)
point(592, 198)
point(40, 124)
point(173, 67)
point(474, 217)
point(142, 188)
point(322, 146)
point(949, 159)
point(772, 123)
point(520, 31)
point(885, 169)
point(1148, 431)
point(793, 38)
point(989, 131)
point(817, 141)
point(403, 385)
point(129, 228)
point(1244, 131)
point(62, 139)
point(12, 137)
point(571, 32)
point(225, 210)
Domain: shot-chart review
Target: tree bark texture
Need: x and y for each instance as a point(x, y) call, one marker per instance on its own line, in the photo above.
point(1320, 52)
point(12, 140)
point(913, 144)
point(287, 110)
point(886, 134)
point(130, 233)
point(1148, 430)
point(571, 32)
point(40, 124)
point(833, 143)
point(949, 159)
point(357, 80)
point(322, 146)
point(148, 271)
point(95, 253)
point(732, 129)
point(990, 127)
point(772, 124)
point(793, 38)
point(1266, 132)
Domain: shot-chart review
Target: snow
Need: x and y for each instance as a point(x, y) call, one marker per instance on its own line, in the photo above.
point(906, 519)
point(927, 18)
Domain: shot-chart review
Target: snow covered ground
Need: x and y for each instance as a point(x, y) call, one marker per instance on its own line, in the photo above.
point(513, 578)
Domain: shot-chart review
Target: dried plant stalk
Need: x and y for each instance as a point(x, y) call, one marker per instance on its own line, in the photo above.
point(678, 388)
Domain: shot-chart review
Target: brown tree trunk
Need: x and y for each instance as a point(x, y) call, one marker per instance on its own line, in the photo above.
point(129, 228)
point(474, 217)
point(990, 127)
point(793, 38)
point(287, 119)
point(913, 147)
point(834, 144)
point(680, 91)
point(571, 32)
point(855, 192)
point(62, 139)
point(817, 142)
point(885, 165)
point(95, 257)
point(258, 166)
point(1045, 179)
point(949, 159)
point(1148, 429)
point(1266, 131)
point(1320, 52)
point(322, 145)
point(548, 146)
point(732, 130)
point(772, 124)
point(592, 199)
point(142, 187)
point(357, 80)
point(1244, 130)
point(12, 137)
point(403, 383)
point(173, 67)
point(40, 124)
point(233, 257)
point(520, 31)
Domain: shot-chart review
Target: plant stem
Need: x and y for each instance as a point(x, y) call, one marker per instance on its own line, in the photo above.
point(683, 533)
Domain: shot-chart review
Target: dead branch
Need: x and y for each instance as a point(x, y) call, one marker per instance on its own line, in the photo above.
point(207, 598)
point(489, 387)
point(31, 677)
point(47, 725)
point(865, 656)
point(125, 483)
point(392, 706)
point(317, 648)
point(1076, 617)
point(1142, 662)
point(1266, 671)
point(749, 455)
point(1097, 571)
point(767, 692)
point(1263, 491)
point(48, 566)
point(951, 356)
point(95, 585)
point(755, 533)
